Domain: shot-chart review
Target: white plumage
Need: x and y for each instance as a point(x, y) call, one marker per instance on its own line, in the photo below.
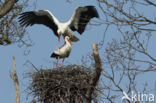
point(77, 22)
point(62, 52)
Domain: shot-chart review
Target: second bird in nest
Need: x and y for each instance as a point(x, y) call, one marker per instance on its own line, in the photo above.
point(62, 52)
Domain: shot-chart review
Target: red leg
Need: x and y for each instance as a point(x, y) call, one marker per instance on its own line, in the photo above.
point(62, 63)
point(57, 61)
point(59, 37)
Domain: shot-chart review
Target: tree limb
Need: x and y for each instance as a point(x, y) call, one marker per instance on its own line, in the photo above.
point(96, 74)
point(6, 7)
point(14, 76)
point(150, 2)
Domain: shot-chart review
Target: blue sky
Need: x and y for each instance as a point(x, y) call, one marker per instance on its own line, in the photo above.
point(44, 44)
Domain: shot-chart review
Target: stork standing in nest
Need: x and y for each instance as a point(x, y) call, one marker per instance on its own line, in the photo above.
point(62, 52)
point(77, 22)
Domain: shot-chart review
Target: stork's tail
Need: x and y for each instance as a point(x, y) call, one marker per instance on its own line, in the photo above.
point(73, 38)
point(54, 55)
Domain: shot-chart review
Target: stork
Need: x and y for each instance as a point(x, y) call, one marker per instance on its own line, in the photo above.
point(77, 22)
point(62, 52)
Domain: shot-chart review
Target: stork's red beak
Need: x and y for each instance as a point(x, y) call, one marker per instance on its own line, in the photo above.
point(70, 42)
point(59, 38)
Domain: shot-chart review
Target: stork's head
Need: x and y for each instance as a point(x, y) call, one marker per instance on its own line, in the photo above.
point(68, 41)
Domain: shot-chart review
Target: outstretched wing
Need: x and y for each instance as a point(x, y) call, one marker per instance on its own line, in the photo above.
point(44, 17)
point(81, 17)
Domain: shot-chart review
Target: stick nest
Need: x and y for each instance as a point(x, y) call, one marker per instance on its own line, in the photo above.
point(66, 85)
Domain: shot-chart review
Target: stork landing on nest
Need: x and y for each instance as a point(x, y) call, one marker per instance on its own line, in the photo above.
point(77, 22)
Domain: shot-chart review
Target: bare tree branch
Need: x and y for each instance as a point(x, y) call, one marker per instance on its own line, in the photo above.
point(14, 77)
point(96, 74)
point(151, 3)
point(6, 7)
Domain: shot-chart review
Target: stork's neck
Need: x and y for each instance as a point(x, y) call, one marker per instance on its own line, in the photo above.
point(67, 43)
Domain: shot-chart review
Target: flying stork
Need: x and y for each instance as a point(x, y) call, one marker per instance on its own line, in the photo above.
point(62, 52)
point(77, 22)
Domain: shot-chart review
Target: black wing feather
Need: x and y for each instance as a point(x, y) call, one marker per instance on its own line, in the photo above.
point(30, 18)
point(82, 17)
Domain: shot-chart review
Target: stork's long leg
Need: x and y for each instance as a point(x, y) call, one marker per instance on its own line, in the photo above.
point(62, 63)
point(57, 61)
point(59, 35)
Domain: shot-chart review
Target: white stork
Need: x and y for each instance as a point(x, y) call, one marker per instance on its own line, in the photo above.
point(62, 52)
point(77, 22)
